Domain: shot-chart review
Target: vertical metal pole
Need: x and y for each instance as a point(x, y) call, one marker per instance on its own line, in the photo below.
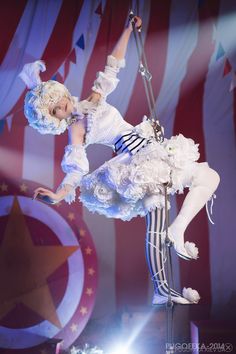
point(169, 277)
point(146, 75)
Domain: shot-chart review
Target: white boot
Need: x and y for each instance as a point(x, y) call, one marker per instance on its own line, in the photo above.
point(205, 182)
point(189, 296)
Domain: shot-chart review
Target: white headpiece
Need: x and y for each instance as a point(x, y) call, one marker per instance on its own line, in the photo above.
point(41, 96)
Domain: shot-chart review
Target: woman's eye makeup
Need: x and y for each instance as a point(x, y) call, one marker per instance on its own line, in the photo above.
point(54, 111)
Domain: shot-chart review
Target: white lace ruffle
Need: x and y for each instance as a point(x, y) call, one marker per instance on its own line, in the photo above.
point(181, 150)
point(104, 84)
point(115, 63)
point(127, 187)
point(75, 159)
point(71, 194)
point(144, 129)
point(107, 81)
point(94, 113)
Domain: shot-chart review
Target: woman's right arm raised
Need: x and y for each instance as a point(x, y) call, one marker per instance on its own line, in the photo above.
point(107, 81)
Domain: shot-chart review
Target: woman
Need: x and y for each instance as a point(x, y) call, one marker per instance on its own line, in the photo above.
point(133, 182)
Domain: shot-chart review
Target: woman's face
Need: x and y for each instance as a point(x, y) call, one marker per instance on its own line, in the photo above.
point(62, 109)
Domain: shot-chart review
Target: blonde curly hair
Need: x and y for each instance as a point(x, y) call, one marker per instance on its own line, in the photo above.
point(41, 96)
point(37, 103)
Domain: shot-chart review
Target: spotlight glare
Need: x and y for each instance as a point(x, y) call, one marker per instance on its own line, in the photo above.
point(121, 350)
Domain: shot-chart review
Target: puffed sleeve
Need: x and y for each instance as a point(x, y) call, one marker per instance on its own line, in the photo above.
point(107, 81)
point(75, 164)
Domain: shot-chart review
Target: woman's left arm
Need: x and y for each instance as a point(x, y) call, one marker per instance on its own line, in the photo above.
point(75, 164)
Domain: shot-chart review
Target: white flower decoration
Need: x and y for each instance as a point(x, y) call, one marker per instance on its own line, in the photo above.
point(181, 151)
point(144, 129)
point(103, 194)
point(191, 295)
point(191, 249)
point(134, 192)
point(139, 175)
point(153, 201)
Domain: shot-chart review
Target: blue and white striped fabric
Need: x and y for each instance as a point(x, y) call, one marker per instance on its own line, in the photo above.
point(130, 142)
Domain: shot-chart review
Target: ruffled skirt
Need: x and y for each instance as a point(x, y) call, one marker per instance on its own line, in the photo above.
point(127, 186)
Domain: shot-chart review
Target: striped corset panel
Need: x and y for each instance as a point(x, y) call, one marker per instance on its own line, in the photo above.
point(130, 142)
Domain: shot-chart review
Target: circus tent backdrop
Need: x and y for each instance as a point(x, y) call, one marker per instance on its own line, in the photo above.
point(191, 52)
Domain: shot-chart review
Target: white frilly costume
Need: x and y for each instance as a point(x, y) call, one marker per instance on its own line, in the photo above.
point(131, 183)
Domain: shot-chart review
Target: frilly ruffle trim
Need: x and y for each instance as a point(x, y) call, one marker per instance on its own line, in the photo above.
point(181, 150)
point(75, 148)
point(115, 63)
point(145, 129)
point(70, 196)
point(30, 73)
point(105, 84)
point(124, 188)
point(92, 111)
point(107, 81)
point(75, 163)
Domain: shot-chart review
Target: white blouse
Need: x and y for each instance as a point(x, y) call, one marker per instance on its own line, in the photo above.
point(104, 126)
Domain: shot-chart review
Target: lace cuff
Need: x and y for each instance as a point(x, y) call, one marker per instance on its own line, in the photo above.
point(114, 63)
point(107, 81)
point(75, 164)
point(70, 196)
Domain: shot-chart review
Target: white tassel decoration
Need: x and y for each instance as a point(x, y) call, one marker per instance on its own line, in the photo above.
point(30, 73)
point(191, 249)
point(191, 294)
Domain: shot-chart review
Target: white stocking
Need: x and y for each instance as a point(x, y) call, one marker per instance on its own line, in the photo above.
point(205, 182)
